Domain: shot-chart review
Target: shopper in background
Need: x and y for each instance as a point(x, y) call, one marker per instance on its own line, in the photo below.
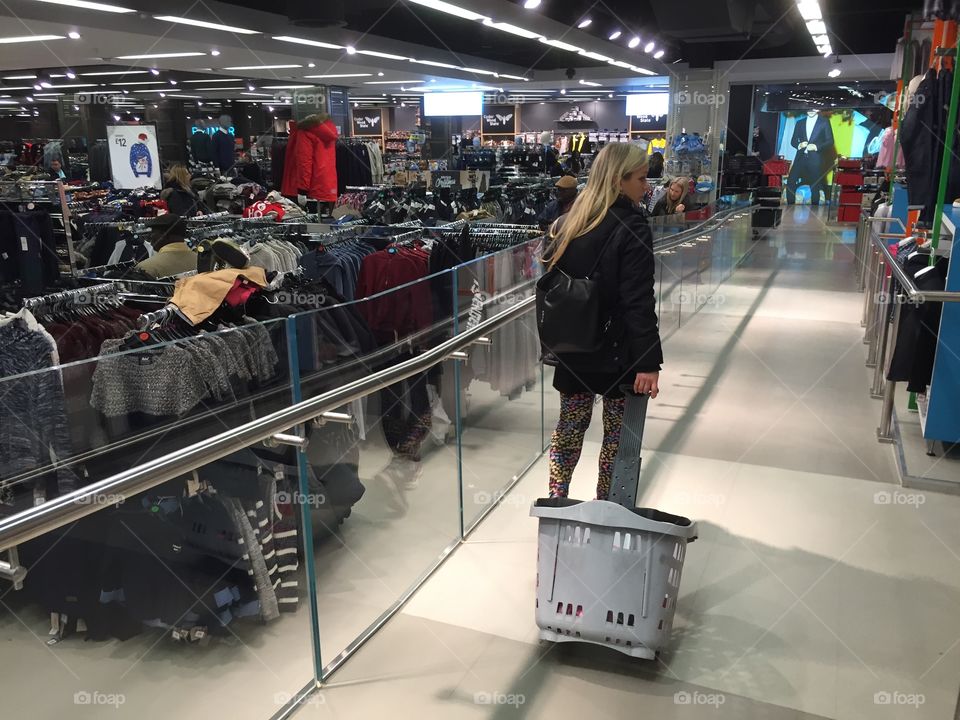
point(56, 170)
point(674, 200)
point(565, 193)
point(606, 237)
point(173, 256)
point(656, 166)
point(180, 198)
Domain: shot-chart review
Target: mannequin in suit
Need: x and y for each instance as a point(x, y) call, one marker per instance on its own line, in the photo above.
point(813, 140)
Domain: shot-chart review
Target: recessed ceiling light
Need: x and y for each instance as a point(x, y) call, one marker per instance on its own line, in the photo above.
point(809, 9)
point(159, 55)
point(154, 71)
point(560, 44)
point(205, 24)
point(379, 74)
point(385, 56)
point(659, 54)
point(262, 67)
point(351, 50)
point(341, 75)
point(610, 95)
point(563, 91)
point(84, 4)
point(584, 23)
point(512, 29)
point(73, 35)
point(215, 53)
point(595, 56)
point(614, 35)
point(435, 64)
point(29, 38)
point(649, 47)
point(634, 41)
point(450, 9)
point(834, 73)
point(71, 75)
point(531, 4)
point(305, 41)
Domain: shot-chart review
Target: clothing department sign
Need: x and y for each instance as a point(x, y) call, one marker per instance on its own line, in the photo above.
point(499, 119)
point(367, 122)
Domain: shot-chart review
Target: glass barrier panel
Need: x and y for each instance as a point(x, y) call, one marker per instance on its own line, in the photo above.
point(195, 586)
point(499, 377)
point(671, 289)
point(388, 501)
point(69, 425)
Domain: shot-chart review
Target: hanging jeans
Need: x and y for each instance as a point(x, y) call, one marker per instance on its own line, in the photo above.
point(406, 416)
point(567, 441)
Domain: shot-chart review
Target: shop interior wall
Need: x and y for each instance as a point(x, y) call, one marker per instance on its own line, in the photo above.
point(403, 118)
point(607, 114)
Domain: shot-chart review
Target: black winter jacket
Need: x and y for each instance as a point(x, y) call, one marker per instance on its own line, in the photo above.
point(626, 274)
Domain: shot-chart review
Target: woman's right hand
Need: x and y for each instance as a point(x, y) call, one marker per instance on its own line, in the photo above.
point(681, 208)
point(647, 384)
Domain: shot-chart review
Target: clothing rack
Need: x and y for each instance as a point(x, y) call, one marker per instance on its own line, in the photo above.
point(61, 218)
point(157, 317)
point(91, 295)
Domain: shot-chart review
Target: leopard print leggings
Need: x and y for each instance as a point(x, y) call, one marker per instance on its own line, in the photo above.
point(567, 441)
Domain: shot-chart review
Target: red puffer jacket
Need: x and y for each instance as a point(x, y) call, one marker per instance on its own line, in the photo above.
point(310, 166)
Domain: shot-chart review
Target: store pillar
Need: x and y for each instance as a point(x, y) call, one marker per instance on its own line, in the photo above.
point(699, 102)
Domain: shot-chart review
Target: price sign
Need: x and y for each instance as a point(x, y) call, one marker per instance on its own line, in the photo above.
point(134, 156)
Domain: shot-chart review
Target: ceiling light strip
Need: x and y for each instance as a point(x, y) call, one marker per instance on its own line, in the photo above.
point(205, 24)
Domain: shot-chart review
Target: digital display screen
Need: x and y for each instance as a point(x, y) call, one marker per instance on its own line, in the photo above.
point(648, 104)
point(455, 103)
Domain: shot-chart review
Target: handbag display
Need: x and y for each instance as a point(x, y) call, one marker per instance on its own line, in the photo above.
point(568, 311)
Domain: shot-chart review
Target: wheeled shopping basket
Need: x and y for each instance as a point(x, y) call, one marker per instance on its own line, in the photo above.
point(608, 572)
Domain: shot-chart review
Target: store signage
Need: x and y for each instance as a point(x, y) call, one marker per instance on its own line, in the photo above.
point(367, 122)
point(649, 123)
point(134, 156)
point(445, 179)
point(499, 119)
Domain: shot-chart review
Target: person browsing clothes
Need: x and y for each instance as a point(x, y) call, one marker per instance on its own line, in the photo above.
point(565, 192)
point(674, 200)
point(606, 237)
point(173, 256)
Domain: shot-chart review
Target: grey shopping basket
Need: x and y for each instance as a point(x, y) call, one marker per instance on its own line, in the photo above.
point(608, 573)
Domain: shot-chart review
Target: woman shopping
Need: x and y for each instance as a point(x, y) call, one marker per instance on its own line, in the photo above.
point(604, 239)
point(674, 200)
point(180, 198)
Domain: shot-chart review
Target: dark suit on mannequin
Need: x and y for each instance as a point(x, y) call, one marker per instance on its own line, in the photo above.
point(811, 167)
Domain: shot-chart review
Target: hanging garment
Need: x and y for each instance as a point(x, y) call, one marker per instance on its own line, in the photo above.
point(311, 161)
point(223, 147)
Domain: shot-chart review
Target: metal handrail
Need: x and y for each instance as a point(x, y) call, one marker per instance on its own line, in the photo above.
point(882, 335)
point(57, 512)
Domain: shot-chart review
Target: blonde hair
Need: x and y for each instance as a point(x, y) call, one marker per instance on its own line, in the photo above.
point(179, 174)
point(613, 163)
point(684, 182)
